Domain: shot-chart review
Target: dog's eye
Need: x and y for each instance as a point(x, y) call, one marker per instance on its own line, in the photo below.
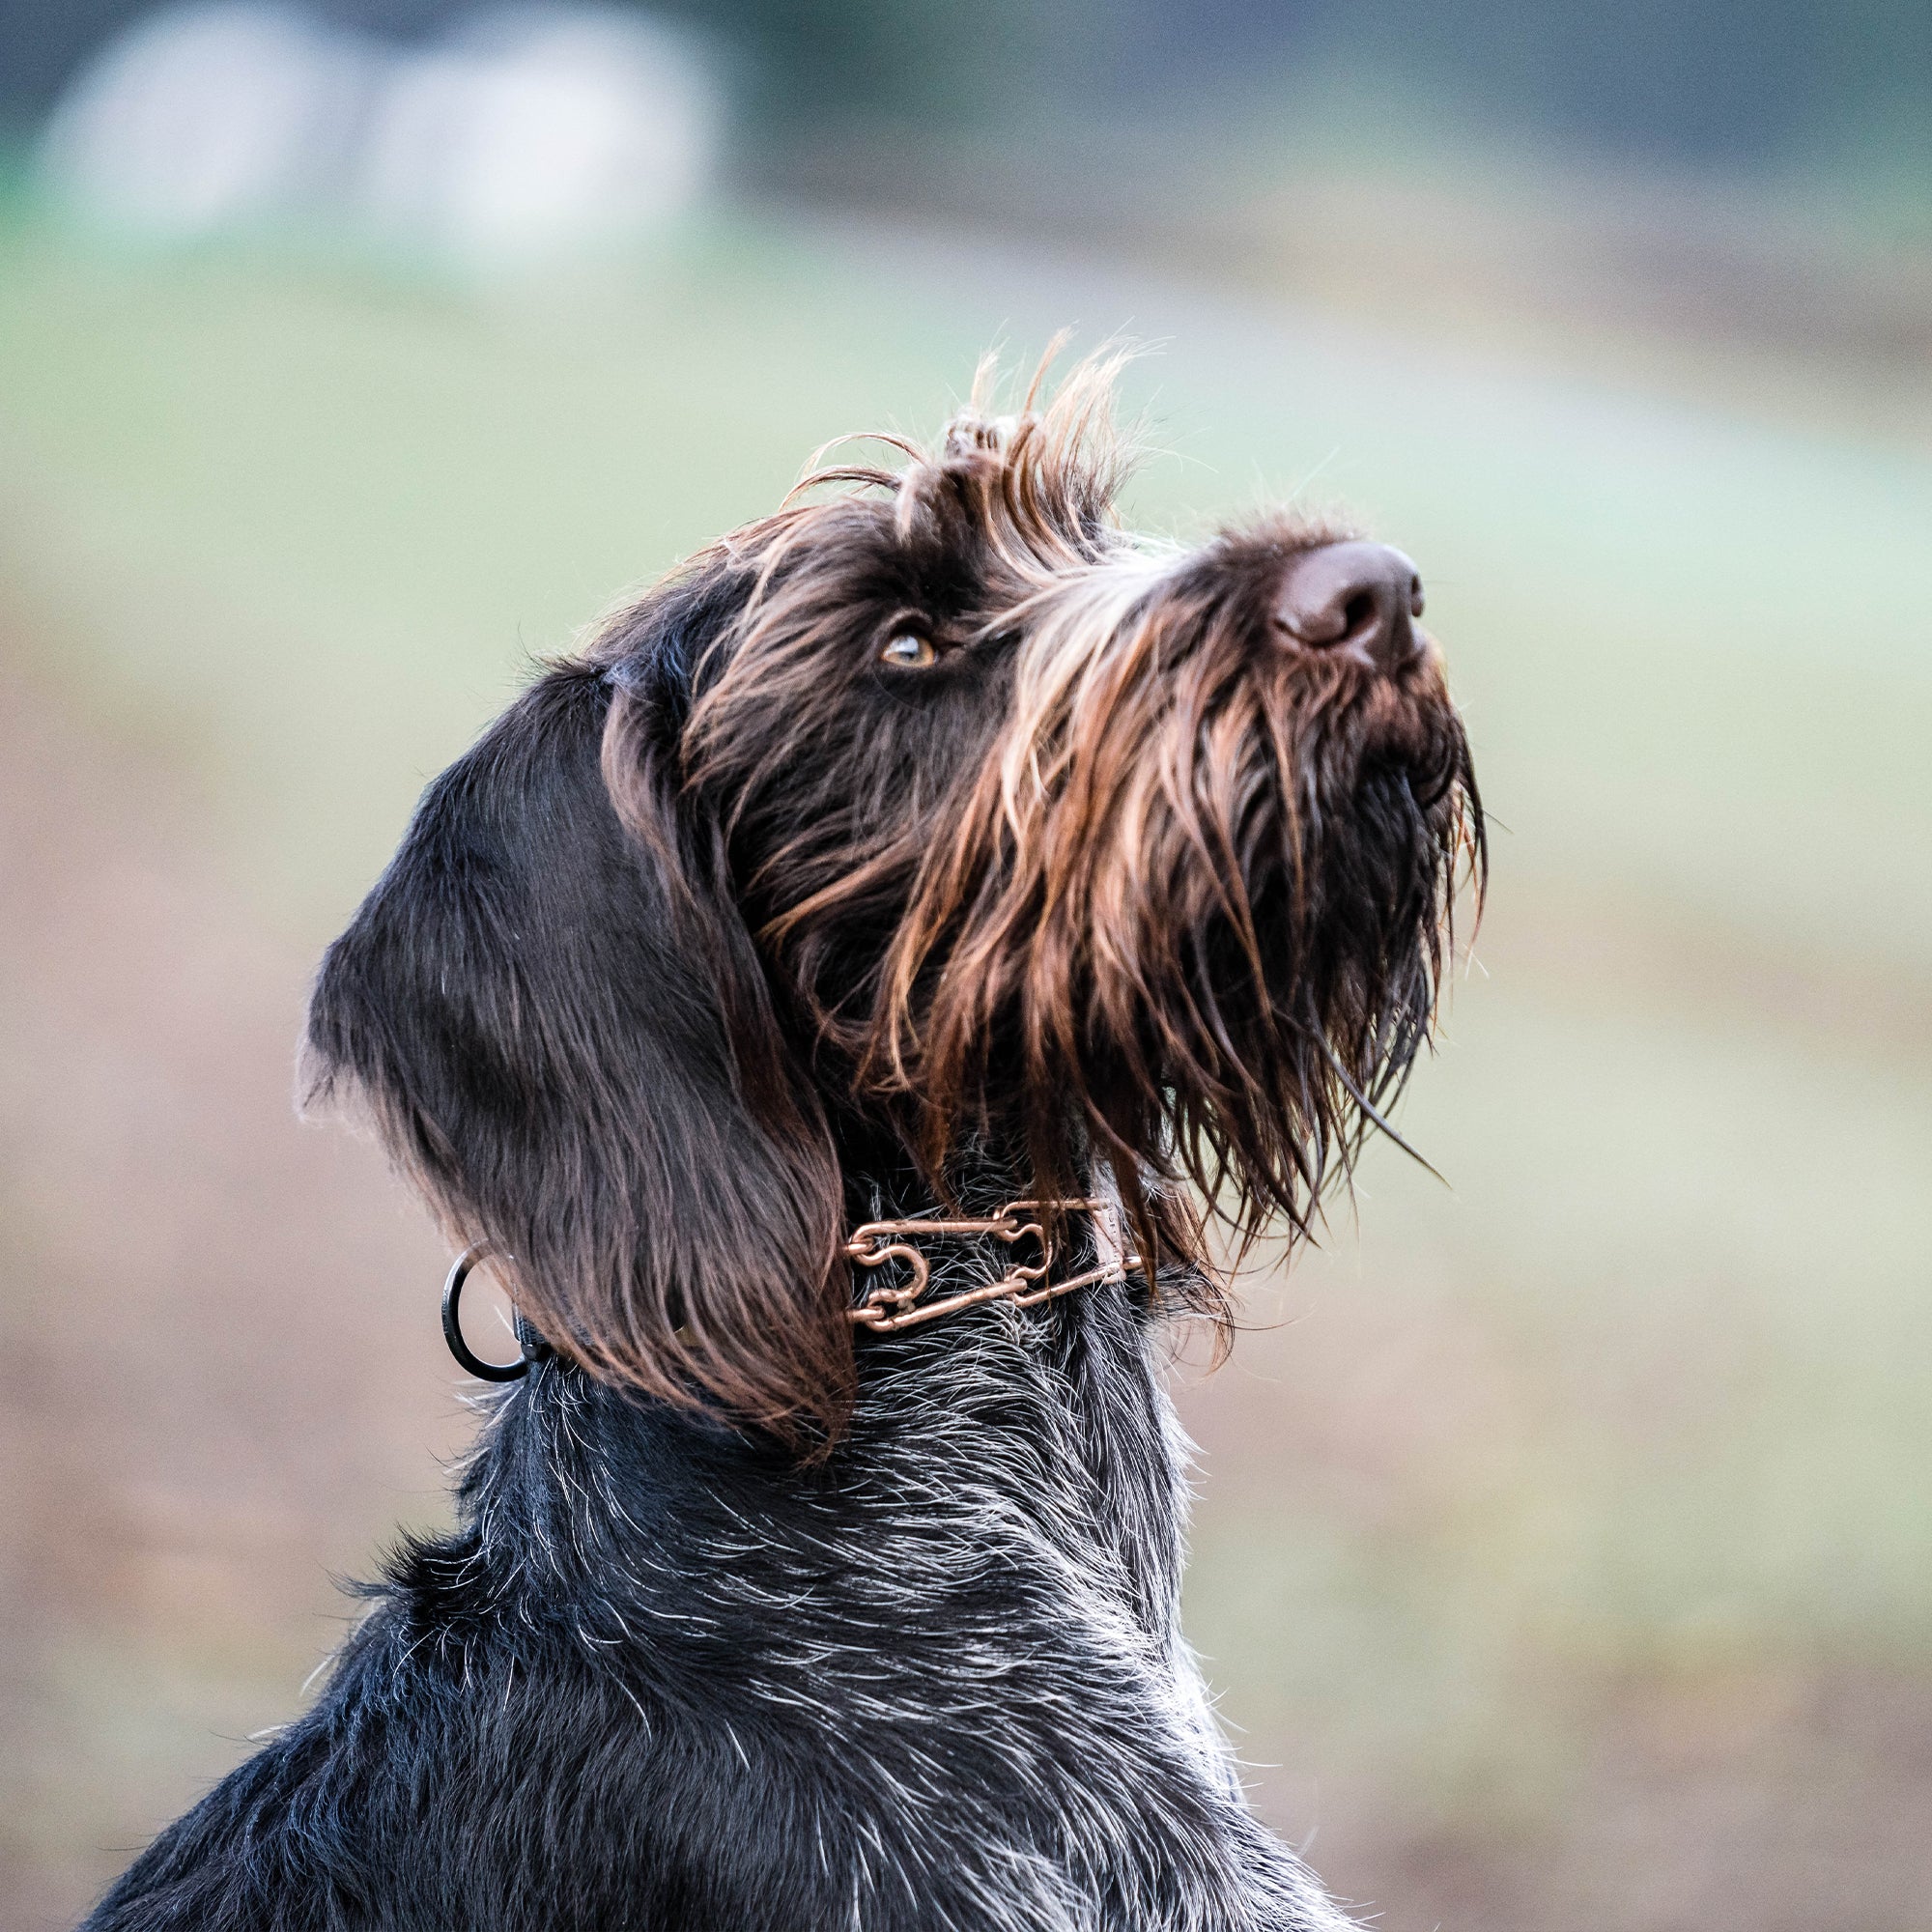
point(908, 650)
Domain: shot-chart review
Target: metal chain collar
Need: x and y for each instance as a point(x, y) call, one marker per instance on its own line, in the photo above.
point(887, 1310)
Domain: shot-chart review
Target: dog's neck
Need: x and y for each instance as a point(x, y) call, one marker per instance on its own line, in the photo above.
point(990, 1428)
point(882, 1177)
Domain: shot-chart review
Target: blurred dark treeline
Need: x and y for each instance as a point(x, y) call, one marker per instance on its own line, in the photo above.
point(1753, 83)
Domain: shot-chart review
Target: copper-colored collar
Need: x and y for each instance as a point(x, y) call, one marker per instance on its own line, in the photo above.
point(886, 1310)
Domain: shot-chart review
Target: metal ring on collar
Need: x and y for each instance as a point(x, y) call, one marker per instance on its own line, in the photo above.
point(452, 1324)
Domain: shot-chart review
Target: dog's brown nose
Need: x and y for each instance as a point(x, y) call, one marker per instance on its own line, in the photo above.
point(1352, 596)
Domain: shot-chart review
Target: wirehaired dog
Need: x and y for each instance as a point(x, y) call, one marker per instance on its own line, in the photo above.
point(832, 998)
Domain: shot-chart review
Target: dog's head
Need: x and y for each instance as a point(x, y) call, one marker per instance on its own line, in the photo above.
point(932, 808)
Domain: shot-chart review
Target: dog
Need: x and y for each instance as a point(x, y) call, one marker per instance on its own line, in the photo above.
point(842, 1000)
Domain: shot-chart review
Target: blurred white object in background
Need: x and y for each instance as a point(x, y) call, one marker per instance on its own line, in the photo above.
point(199, 118)
point(522, 135)
point(532, 132)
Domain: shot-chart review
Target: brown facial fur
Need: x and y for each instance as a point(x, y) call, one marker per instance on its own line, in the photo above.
point(1119, 876)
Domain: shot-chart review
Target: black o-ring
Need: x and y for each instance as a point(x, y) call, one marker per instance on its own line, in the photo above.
point(452, 1324)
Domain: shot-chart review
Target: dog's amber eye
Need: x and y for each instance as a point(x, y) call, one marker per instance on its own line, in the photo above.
point(908, 650)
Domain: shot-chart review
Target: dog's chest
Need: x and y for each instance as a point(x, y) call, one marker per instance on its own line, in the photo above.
point(995, 1562)
point(970, 1621)
point(946, 1662)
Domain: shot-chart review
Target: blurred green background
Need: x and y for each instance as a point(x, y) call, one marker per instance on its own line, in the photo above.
point(1563, 1551)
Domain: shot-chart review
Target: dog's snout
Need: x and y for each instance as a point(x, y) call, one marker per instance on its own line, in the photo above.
point(1351, 596)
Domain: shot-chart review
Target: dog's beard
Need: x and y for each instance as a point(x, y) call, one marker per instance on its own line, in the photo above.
point(1192, 915)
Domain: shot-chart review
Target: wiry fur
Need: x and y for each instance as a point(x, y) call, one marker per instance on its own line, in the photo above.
point(725, 939)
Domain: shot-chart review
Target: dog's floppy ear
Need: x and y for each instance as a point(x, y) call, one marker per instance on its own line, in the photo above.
point(569, 1043)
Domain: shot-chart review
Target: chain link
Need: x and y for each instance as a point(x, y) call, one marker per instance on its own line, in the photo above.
point(886, 1309)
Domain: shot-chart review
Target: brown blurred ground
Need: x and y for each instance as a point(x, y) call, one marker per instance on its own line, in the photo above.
point(1716, 1791)
point(220, 1384)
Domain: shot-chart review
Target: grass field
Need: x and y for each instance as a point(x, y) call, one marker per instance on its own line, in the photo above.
point(1570, 1521)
